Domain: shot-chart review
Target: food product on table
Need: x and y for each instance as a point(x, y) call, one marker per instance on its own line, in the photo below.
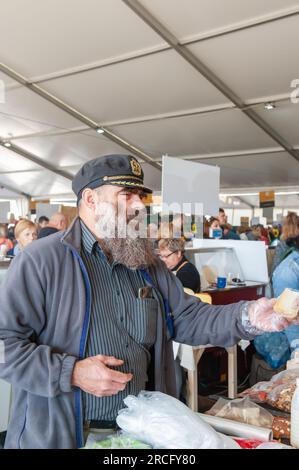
point(261, 391)
point(281, 427)
point(287, 304)
point(258, 392)
point(281, 396)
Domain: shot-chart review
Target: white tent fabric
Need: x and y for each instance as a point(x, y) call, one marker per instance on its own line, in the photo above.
point(188, 79)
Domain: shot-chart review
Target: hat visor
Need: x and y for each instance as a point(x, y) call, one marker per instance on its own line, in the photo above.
point(130, 184)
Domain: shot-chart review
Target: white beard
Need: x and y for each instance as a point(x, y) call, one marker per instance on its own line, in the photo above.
point(125, 242)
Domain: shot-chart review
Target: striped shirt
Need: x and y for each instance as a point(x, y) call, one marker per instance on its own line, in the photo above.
point(121, 325)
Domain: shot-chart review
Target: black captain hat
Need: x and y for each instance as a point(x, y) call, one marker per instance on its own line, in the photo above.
point(117, 170)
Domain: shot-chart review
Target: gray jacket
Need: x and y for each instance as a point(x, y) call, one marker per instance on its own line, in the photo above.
point(44, 320)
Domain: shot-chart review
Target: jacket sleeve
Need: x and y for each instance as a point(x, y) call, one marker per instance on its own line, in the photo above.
point(26, 364)
point(196, 322)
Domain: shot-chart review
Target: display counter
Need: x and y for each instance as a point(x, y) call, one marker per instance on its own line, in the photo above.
point(251, 291)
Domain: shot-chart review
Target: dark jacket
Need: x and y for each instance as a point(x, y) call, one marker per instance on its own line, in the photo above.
point(46, 231)
point(44, 321)
point(187, 273)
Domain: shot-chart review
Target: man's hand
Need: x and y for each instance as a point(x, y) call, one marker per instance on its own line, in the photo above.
point(262, 316)
point(93, 376)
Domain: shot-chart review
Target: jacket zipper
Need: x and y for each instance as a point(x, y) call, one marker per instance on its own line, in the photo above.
point(78, 404)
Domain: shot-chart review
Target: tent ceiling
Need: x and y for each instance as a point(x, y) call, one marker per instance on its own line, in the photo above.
point(124, 71)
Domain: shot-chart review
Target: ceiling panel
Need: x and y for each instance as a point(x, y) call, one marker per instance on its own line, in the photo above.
point(10, 161)
point(24, 112)
point(193, 17)
point(37, 182)
point(52, 35)
point(150, 85)
point(256, 62)
point(70, 149)
point(7, 194)
point(284, 119)
point(257, 170)
point(7, 83)
point(209, 133)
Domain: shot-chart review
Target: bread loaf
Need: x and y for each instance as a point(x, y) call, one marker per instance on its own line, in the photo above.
point(287, 304)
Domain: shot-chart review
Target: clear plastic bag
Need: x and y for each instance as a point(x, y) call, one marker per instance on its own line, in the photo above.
point(286, 376)
point(265, 391)
point(258, 392)
point(281, 396)
point(166, 423)
point(242, 410)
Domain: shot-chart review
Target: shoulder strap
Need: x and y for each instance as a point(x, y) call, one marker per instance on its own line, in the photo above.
point(183, 264)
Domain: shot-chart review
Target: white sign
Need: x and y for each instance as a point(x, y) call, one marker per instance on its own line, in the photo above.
point(185, 182)
point(46, 209)
point(4, 210)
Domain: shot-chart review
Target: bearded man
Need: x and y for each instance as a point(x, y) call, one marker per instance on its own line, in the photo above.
point(88, 316)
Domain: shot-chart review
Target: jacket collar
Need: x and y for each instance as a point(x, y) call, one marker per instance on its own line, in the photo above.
point(73, 235)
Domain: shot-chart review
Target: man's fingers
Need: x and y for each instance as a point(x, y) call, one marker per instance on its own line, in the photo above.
point(110, 360)
point(109, 388)
point(111, 374)
point(119, 377)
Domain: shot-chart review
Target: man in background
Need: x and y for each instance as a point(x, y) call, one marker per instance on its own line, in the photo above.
point(42, 222)
point(56, 223)
point(222, 217)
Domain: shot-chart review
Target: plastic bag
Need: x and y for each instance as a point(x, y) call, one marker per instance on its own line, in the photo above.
point(274, 348)
point(261, 391)
point(117, 440)
point(286, 376)
point(281, 396)
point(242, 410)
point(165, 423)
point(258, 392)
point(262, 316)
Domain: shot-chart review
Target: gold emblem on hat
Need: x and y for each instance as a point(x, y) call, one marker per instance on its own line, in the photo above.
point(136, 168)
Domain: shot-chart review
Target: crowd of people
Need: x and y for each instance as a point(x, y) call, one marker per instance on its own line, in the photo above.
point(97, 322)
point(223, 230)
point(16, 235)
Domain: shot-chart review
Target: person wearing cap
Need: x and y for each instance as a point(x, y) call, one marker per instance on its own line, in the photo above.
point(96, 313)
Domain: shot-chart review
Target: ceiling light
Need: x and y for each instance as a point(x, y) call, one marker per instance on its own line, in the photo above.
point(285, 193)
point(241, 194)
point(269, 106)
point(100, 130)
point(7, 144)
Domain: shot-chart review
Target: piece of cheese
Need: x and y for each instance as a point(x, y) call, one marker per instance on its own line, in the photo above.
point(287, 304)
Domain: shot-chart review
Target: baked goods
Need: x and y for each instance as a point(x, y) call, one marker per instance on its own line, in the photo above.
point(281, 396)
point(281, 427)
point(287, 304)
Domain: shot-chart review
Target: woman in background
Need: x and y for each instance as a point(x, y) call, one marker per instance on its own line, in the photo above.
point(290, 230)
point(25, 233)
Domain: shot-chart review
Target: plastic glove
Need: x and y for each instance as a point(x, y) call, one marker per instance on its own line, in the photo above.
point(262, 316)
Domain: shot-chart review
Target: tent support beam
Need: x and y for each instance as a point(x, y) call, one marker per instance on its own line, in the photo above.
point(38, 161)
point(189, 57)
point(78, 115)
